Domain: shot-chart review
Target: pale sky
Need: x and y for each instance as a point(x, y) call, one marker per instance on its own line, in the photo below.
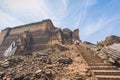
point(95, 19)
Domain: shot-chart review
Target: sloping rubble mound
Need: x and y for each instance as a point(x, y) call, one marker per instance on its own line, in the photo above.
point(39, 66)
point(49, 65)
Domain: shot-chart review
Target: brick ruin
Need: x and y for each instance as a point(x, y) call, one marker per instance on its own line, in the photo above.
point(44, 34)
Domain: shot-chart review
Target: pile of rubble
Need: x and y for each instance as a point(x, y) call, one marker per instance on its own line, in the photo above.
point(51, 65)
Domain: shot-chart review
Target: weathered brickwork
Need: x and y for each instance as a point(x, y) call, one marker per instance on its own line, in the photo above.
point(44, 35)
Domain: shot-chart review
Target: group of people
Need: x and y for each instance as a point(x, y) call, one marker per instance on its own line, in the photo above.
point(76, 42)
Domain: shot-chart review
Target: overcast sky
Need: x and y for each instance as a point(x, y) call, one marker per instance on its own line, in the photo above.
point(95, 19)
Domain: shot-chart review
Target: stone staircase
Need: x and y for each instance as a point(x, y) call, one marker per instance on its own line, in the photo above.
point(101, 70)
point(104, 68)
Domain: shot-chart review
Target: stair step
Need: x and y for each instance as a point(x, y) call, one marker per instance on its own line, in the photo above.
point(103, 68)
point(107, 72)
point(108, 77)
